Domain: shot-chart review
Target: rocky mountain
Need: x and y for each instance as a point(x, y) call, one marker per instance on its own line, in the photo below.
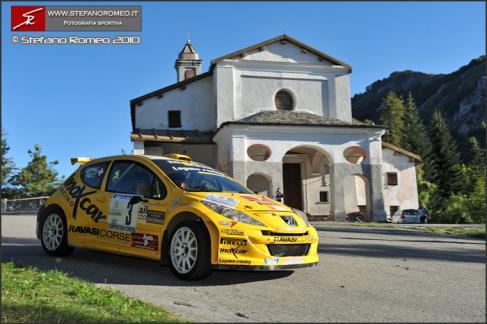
point(460, 96)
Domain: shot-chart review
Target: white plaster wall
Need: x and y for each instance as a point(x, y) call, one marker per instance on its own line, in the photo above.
point(243, 87)
point(195, 103)
point(280, 139)
point(361, 191)
point(257, 93)
point(288, 52)
point(405, 194)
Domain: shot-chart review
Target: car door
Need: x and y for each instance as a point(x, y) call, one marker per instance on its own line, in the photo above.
point(90, 206)
point(137, 208)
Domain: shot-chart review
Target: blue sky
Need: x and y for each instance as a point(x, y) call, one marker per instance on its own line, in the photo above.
point(74, 100)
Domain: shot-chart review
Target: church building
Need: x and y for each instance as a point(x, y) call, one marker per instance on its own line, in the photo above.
point(278, 114)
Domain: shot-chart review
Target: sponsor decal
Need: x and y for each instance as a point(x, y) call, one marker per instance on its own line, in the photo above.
point(142, 213)
point(188, 167)
point(234, 250)
point(232, 241)
point(271, 260)
point(258, 199)
point(101, 233)
point(120, 217)
point(231, 231)
point(276, 207)
point(228, 223)
point(155, 217)
point(237, 261)
point(291, 239)
point(145, 241)
point(76, 196)
point(221, 200)
point(293, 260)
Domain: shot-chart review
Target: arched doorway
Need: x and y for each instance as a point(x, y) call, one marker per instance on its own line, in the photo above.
point(359, 200)
point(306, 180)
point(260, 184)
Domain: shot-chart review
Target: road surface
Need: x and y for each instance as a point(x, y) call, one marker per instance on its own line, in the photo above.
point(364, 274)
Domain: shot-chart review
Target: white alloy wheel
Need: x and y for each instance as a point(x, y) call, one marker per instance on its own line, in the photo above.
point(184, 250)
point(52, 232)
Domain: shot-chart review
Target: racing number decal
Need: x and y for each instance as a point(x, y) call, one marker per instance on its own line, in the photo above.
point(121, 209)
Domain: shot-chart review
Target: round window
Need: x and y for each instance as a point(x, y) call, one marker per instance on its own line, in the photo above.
point(258, 152)
point(354, 154)
point(284, 100)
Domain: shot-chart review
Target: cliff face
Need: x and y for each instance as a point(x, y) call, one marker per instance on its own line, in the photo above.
point(460, 96)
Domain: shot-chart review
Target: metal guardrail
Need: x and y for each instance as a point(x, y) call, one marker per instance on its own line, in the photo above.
point(22, 205)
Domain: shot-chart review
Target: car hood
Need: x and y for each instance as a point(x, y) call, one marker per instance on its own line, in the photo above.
point(268, 211)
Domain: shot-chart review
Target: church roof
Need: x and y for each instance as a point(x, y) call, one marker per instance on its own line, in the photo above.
point(171, 136)
point(282, 38)
point(402, 151)
point(296, 118)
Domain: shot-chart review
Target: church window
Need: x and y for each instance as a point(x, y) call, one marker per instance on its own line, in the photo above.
point(189, 73)
point(392, 178)
point(284, 100)
point(174, 117)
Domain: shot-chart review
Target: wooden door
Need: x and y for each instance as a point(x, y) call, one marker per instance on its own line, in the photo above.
point(291, 173)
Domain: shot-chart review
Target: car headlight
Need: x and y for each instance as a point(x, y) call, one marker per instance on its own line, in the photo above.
point(301, 214)
point(232, 214)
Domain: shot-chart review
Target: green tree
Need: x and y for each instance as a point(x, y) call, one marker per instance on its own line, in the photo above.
point(392, 113)
point(38, 177)
point(449, 174)
point(7, 165)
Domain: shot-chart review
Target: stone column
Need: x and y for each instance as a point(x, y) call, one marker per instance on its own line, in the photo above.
point(377, 192)
point(376, 178)
point(338, 204)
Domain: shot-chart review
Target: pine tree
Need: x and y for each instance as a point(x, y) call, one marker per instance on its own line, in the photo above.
point(449, 175)
point(7, 165)
point(415, 138)
point(392, 113)
point(38, 177)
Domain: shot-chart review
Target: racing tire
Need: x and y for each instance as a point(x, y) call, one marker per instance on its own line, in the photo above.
point(54, 233)
point(189, 251)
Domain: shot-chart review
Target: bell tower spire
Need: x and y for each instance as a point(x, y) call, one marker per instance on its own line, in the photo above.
point(188, 63)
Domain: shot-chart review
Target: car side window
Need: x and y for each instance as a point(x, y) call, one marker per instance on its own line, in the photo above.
point(133, 178)
point(92, 175)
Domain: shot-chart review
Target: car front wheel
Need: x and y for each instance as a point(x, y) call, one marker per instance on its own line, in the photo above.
point(189, 251)
point(54, 236)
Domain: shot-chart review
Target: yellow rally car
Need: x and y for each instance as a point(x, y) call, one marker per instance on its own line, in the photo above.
point(179, 212)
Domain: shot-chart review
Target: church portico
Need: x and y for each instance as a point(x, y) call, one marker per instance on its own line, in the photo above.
point(324, 171)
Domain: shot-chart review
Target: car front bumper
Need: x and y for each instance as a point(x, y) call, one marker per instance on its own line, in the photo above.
point(256, 250)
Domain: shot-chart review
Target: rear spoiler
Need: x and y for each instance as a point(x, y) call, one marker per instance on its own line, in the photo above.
point(180, 157)
point(81, 160)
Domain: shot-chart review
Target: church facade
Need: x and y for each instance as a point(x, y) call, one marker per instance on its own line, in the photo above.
point(277, 115)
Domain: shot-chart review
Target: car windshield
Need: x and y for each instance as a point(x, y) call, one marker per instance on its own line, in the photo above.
point(198, 178)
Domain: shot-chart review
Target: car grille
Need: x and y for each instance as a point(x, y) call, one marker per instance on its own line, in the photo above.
point(284, 250)
point(269, 233)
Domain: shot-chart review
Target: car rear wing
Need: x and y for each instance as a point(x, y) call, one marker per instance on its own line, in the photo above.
point(80, 160)
point(180, 157)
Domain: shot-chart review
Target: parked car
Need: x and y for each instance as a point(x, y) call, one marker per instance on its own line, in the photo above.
point(181, 213)
point(408, 216)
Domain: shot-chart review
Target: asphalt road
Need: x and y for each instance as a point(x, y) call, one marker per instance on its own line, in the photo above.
point(364, 275)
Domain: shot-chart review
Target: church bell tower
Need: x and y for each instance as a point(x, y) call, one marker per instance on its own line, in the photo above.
point(188, 63)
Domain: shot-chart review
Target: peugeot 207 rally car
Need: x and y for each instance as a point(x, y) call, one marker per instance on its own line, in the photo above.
point(171, 209)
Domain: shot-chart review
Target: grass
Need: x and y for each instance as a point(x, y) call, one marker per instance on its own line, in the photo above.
point(476, 232)
point(30, 295)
